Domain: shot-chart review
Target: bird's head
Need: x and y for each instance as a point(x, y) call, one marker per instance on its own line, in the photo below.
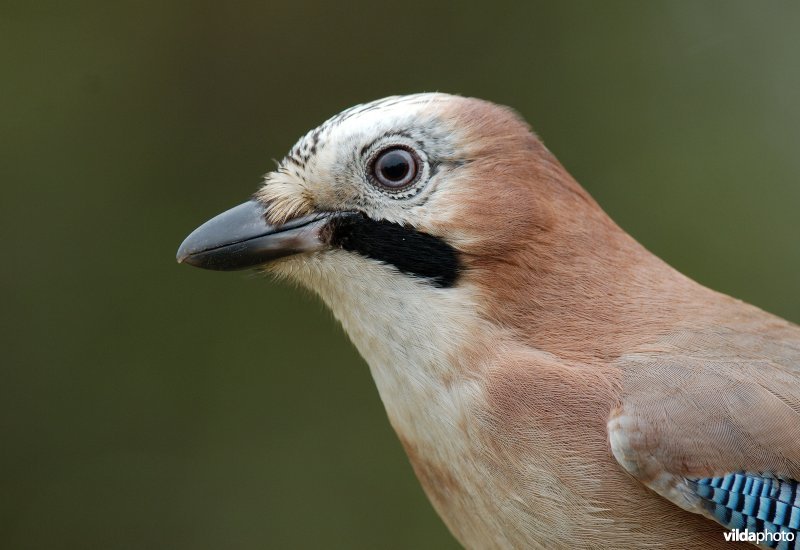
point(417, 198)
point(428, 186)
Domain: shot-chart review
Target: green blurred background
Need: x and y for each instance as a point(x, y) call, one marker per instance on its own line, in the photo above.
point(149, 405)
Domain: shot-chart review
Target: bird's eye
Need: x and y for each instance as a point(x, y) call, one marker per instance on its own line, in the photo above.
point(395, 168)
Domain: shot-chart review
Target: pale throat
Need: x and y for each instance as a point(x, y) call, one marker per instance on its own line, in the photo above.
point(411, 334)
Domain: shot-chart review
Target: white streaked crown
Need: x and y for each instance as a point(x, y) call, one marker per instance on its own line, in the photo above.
point(327, 169)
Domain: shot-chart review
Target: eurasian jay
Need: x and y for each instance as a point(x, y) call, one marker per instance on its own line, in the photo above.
point(554, 384)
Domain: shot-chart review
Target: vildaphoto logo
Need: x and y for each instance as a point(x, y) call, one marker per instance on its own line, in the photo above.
point(758, 536)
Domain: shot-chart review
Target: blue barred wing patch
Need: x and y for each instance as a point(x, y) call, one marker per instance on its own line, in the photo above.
point(758, 503)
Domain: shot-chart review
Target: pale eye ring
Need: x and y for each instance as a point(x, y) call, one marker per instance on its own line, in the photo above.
point(395, 168)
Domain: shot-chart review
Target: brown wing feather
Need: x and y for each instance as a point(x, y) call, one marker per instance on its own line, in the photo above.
point(711, 402)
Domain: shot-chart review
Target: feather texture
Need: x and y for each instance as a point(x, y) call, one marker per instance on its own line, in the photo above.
point(751, 501)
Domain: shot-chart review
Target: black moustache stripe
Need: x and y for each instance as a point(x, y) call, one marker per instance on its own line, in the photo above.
point(409, 250)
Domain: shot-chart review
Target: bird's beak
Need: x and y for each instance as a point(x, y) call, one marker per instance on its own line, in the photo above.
point(241, 237)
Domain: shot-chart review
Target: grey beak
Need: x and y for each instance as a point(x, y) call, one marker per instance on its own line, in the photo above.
point(241, 237)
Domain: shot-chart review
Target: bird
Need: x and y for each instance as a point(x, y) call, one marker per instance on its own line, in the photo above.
point(553, 383)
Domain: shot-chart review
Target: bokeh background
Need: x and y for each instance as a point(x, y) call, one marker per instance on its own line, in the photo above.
point(149, 405)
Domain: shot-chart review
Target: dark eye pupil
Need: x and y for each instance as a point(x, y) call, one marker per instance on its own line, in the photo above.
point(394, 165)
point(395, 168)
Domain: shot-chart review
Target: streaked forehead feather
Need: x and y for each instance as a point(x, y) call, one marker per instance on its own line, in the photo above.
point(308, 145)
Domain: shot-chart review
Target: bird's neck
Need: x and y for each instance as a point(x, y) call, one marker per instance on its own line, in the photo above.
point(586, 292)
point(421, 342)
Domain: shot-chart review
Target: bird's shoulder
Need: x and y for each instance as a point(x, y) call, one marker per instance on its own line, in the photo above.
point(710, 402)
